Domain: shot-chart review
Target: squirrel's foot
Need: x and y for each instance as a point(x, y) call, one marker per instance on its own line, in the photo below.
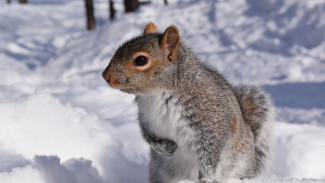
point(208, 181)
point(164, 147)
point(203, 179)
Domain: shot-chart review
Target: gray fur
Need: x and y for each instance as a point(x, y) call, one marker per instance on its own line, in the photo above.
point(258, 112)
point(198, 126)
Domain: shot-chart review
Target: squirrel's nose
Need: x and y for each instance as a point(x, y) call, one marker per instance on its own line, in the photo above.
point(106, 76)
point(112, 79)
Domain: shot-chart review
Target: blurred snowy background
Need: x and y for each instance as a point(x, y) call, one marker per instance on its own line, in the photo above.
point(61, 123)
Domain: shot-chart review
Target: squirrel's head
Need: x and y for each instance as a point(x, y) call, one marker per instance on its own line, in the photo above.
point(139, 65)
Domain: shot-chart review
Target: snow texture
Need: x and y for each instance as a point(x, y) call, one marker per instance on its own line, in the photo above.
point(60, 122)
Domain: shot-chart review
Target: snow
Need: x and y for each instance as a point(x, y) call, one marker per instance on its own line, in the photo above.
point(305, 139)
point(23, 175)
point(60, 121)
point(266, 180)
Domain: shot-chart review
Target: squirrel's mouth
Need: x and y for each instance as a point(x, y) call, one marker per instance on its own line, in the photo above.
point(127, 90)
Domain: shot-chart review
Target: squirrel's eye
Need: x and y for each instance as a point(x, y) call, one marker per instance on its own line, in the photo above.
point(140, 61)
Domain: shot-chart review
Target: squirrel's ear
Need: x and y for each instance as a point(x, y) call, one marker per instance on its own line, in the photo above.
point(169, 42)
point(150, 29)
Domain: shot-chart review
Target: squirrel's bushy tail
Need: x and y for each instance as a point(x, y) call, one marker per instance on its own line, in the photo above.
point(257, 110)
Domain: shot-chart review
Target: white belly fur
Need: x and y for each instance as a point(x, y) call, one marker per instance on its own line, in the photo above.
point(164, 120)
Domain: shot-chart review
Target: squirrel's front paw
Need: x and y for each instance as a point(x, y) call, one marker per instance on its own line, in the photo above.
point(165, 147)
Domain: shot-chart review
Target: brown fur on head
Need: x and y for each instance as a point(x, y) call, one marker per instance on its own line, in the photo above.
point(138, 63)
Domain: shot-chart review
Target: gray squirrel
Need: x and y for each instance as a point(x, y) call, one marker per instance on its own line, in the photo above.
point(199, 127)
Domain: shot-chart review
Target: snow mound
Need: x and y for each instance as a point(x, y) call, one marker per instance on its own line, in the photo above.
point(71, 171)
point(22, 175)
point(273, 180)
point(266, 180)
point(52, 127)
point(305, 139)
point(40, 124)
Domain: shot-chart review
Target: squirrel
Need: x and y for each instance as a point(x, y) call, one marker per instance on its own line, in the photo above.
point(199, 127)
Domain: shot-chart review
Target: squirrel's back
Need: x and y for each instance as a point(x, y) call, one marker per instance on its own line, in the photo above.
point(258, 112)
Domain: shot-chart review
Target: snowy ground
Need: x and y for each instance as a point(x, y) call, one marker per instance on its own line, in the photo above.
point(60, 122)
